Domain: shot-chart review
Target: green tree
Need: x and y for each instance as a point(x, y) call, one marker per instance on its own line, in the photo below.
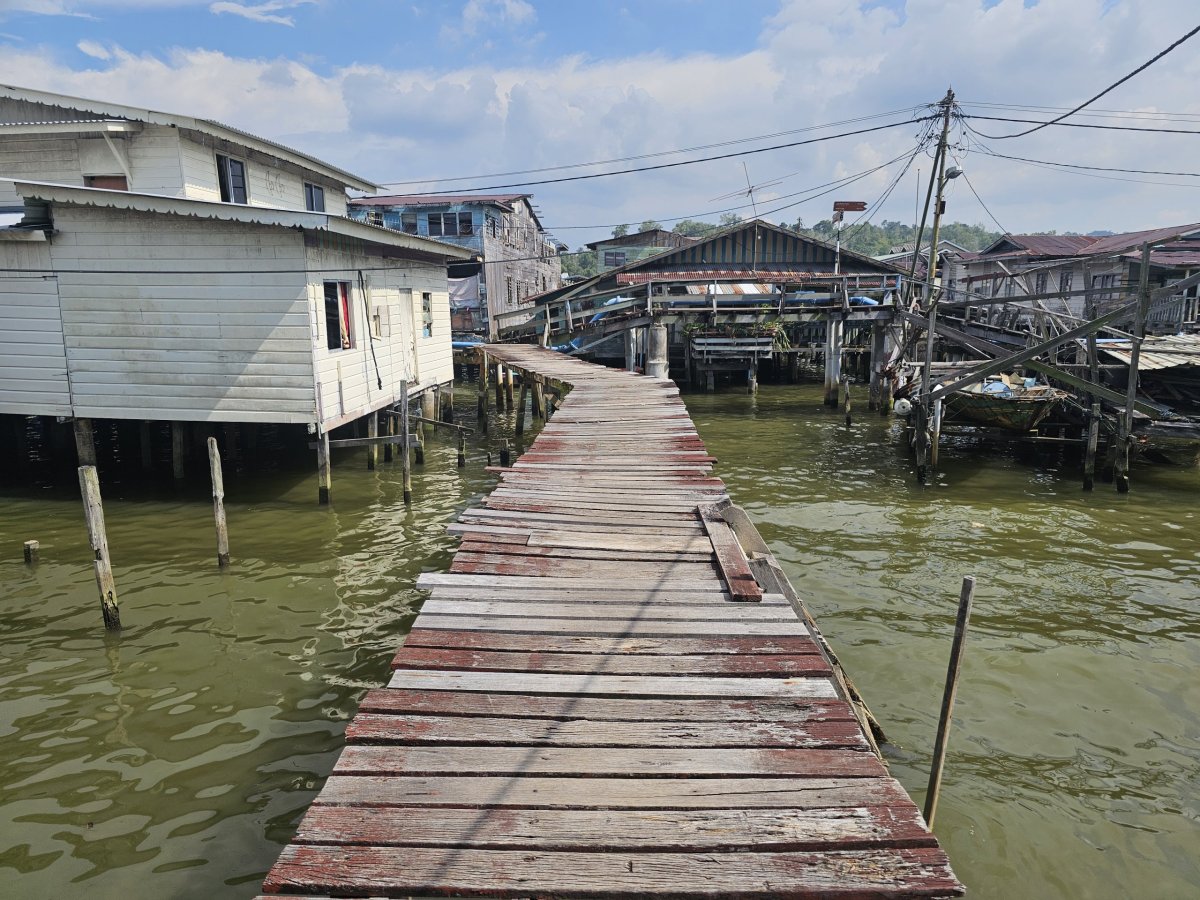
point(694, 228)
point(649, 225)
point(582, 262)
point(728, 219)
point(621, 231)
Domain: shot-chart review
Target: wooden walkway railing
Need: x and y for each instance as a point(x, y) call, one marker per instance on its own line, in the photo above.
point(583, 709)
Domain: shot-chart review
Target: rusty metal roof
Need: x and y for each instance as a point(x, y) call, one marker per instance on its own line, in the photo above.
point(776, 275)
point(1130, 239)
point(437, 199)
point(1164, 352)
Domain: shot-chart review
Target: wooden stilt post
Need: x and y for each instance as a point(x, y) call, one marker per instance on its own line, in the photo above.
point(372, 449)
point(508, 389)
point(85, 444)
point(177, 439)
point(846, 399)
point(875, 391)
point(499, 388)
point(93, 511)
point(539, 400)
point(885, 404)
point(1125, 433)
point(505, 454)
point(147, 446)
point(389, 429)
point(943, 733)
point(935, 433)
point(218, 495)
point(30, 550)
point(324, 470)
point(462, 448)
point(405, 453)
point(521, 403)
point(921, 437)
point(419, 450)
point(481, 402)
point(829, 386)
point(752, 379)
point(1093, 438)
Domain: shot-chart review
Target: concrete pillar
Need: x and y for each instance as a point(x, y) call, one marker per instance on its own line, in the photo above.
point(657, 361)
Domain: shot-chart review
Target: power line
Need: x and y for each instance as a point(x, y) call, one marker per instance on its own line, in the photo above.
point(1142, 115)
point(1046, 162)
point(685, 162)
point(1003, 230)
point(1069, 125)
point(1107, 90)
point(624, 159)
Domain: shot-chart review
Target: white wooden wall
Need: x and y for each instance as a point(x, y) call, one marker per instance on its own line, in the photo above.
point(192, 324)
point(33, 364)
point(348, 386)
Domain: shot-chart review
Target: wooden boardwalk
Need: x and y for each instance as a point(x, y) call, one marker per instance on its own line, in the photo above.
point(583, 710)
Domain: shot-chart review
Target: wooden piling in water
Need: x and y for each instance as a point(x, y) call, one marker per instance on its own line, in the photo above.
point(935, 433)
point(30, 550)
point(372, 449)
point(846, 399)
point(885, 403)
point(218, 495)
point(324, 473)
point(505, 454)
point(405, 453)
point(177, 449)
point(966, 594)
point(539, 400)
point(389, 429)
point(508, 389)
point(93, 512)
point(481, 401)
point(462, 448)
point(419, 449)
point(499, 370)
point(1093, 437)
point(520, 426)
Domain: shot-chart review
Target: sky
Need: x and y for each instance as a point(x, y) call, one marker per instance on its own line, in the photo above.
point(424, 94)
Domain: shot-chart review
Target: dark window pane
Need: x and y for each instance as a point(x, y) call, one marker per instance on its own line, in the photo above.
point(465, 226)
point(408, 223)
point(314, 198)
point(435, 225)
point(333, 319)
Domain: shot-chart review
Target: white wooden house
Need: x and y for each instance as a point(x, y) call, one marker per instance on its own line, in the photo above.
point(191, 289)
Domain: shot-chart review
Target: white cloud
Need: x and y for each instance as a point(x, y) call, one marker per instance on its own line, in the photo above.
point(816, 61)
point(485, 15)
point(94, 50)
point(267, 12)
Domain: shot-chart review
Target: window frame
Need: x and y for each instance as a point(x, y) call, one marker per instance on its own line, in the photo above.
point(225, 179)
point(343, 311)
point(106, 182)
point(427, 314)
point(314, 197)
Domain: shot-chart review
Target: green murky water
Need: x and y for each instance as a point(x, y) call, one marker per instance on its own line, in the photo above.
point(174, 760)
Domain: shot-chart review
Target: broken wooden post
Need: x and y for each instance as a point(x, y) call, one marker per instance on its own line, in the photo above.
point(520, 426)
point(505, 454)
point(93, 512)
point(846, 399)
point(218, 495)
point(481, 402)
point(462, 448)
point(85, 444)
point(405, 454)
point(31, 552)
point(324, 472)
point(935, 437)
point(943, 733)
point(177, 470)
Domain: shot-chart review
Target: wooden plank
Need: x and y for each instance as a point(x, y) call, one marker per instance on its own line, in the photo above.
point(778, 664)
point(612, 685)
point(376, 728)
point(655, 762)
point(429, 580)
point(510, 546)
point(777, 830)
point(484, 792)
point(466, 872)
point(574, 643)
point(730, 558)
point(550, 625)
point(642, 612)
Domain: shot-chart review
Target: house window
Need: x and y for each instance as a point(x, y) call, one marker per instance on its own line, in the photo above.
point(314, 198)
point(427, 314)
point(492, 226)
point(231, 174)
point(106, 182)
point(450, 224)
point(408, 223)
point(1039, 283)
point(339, 334)
point(614, 258)
point(1064, 281)
point(508, 290)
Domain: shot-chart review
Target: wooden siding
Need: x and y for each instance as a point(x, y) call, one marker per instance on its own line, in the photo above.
point(183, 319)
point(33, 365)
point(154, 161)
point(348, 379)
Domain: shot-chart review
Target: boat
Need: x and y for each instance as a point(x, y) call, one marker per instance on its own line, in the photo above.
point(1173, 441)
point(1005, 401)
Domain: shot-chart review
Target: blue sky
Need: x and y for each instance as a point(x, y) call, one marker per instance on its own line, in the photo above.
point(397, 91)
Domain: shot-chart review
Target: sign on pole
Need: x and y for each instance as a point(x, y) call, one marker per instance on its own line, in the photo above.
point(849, 206)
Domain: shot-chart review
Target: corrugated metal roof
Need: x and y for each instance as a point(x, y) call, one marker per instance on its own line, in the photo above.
point(1163, 352)
point(866, 281)
point(1118, 242)
point(1048, 244)
point(437, 199)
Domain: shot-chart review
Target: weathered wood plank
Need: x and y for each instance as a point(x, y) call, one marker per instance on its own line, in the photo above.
point(377, 728)
point(616, 646)
point(612, 685)
point(852, 828)
point(551, 625)
point(778, 664)
point(843, 874)
point(641, 612)
point(730, 559)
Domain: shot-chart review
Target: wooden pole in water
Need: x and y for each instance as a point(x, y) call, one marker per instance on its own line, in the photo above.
point(85, 444)
point(405, 454)
point(499, 388)
point(935, 437)
point(389, 429)
point(1093, 438)
point(508, 389)
point(218, 495)
point(31, 552)
point(520, 426)
point(846, 398)
point(419, 450)
point(1139, 332)
point(481, 402)
point(876, 366)
point(921, 437)
point(462, 448)
point(372, 449)
point(943, 733)
point(505, 454)
point(177, 451)
point(324, 472)
point(93, 511)
point(885, 405)
point(539, 400)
